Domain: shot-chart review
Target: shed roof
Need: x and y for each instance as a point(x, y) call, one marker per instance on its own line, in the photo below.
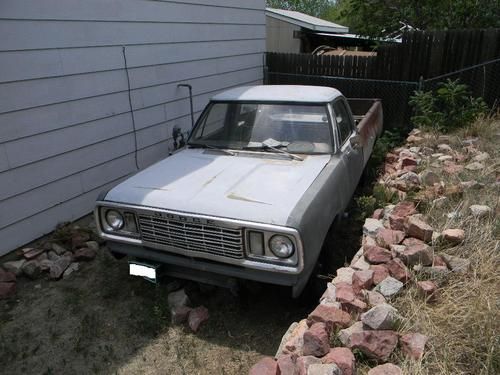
point(279, 93)
point(306, 21)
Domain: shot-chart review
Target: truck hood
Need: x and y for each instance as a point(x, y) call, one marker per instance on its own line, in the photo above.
point(258, 187)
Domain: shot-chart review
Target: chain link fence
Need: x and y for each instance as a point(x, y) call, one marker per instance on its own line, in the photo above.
point(483, 80)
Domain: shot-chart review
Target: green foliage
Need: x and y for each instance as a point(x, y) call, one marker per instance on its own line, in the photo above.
point(389, 140)
point(378, 18)
point(312, 7)
point(366, 205)
point(449, 107)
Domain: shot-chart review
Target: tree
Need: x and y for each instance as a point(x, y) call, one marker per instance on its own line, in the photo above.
point(378, 18)
point(312, 7)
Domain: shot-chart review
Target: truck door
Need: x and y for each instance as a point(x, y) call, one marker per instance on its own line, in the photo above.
point(351, 157)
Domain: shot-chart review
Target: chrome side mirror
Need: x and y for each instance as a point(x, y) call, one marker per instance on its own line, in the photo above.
point(356, 141)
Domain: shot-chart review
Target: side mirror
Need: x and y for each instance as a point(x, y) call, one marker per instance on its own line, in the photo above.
point(356, 141)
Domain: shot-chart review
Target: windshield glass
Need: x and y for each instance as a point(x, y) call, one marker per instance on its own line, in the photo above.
point(296, 128)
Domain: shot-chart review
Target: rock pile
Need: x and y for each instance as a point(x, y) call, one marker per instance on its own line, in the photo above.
point(57, 258)
point(180, 312)
point(397, 247)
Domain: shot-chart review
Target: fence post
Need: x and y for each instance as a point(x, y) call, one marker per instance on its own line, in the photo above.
point(421, 83)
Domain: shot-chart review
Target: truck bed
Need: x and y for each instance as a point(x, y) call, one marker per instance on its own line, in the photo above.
point(368, 116)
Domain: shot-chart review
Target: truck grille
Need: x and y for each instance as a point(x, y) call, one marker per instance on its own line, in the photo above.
point(202, 238)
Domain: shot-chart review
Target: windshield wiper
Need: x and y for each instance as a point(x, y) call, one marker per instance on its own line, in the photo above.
point(271, 144)
point(204, 145)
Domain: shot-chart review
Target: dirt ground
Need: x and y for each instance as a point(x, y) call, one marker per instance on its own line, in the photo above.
point(101, 320)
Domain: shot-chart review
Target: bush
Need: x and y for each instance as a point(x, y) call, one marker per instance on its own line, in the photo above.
point(449, 107)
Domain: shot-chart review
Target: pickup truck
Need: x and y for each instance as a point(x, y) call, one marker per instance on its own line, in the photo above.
point(252, 195)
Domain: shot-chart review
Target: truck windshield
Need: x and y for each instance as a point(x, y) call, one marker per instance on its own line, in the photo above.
point(298, 128)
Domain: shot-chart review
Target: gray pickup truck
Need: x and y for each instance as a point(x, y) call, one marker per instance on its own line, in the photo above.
point(265, 172)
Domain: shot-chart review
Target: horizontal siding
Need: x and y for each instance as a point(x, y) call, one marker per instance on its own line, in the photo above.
point(227, 11)
point(18, 65)
point(25, 35)
point(66, 126)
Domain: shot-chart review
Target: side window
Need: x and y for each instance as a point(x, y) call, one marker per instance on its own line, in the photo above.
point(343, 120)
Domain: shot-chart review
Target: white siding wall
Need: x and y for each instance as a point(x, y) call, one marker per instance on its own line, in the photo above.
point(66, 126)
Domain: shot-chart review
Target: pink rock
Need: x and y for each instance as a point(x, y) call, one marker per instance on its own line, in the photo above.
point(266, 366)
point(343, 358)
point(295, 342)
point(439, 262)
point(354, 306)
point(408, 161)
point(374, 298)
point(7, 289)
point(362, 280)
point(428, 289)
point(287, 364)
point(197, 317)
point(78, 240)
point(378, 214)
point(380, 272)
point(344, 335)
point(345, 292)
point(30, 253)
point(417, 252)
point(398, 270)
point(7, 276)
point(419, 229)
point(454, 236)
point(387, 237)
point(316, 340)
point(304, 362)
point(397, 222)
point(452, 168)
point(413, 345)
point(386, 369)
point(375, 344)
point(84, 254)
point(333, 317)
point(404, 209)
point(376, 254)
point(369, 241)
point(180, 314)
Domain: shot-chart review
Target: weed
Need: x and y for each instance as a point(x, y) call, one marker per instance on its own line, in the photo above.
point(449, 107)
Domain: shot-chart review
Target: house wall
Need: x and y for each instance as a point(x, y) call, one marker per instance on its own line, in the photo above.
point(280, 36)
point(67, 116)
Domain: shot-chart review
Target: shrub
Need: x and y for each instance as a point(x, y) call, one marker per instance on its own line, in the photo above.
point(448, 107)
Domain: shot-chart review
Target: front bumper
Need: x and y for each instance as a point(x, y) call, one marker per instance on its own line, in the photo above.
point(200, 269)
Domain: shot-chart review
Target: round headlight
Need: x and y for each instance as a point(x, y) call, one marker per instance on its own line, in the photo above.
point(114, 219)
point(281, 246)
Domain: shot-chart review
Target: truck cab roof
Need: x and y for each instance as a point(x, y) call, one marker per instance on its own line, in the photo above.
point(279, 93)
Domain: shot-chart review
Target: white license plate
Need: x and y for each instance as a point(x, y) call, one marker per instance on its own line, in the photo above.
point(145, 270)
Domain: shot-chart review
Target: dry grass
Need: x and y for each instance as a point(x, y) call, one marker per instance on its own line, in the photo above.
point(463, 325)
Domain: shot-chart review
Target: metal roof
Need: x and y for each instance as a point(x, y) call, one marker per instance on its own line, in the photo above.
point(279, 93)
point(306, 21)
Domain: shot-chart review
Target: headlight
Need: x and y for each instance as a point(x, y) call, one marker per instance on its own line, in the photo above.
point(281, 246)
point(114, 219)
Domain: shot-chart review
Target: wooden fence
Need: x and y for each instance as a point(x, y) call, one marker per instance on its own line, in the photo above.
point(421, 61)
point(421, 54)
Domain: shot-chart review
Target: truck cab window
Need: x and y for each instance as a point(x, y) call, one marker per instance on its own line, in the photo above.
point(343, 120)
